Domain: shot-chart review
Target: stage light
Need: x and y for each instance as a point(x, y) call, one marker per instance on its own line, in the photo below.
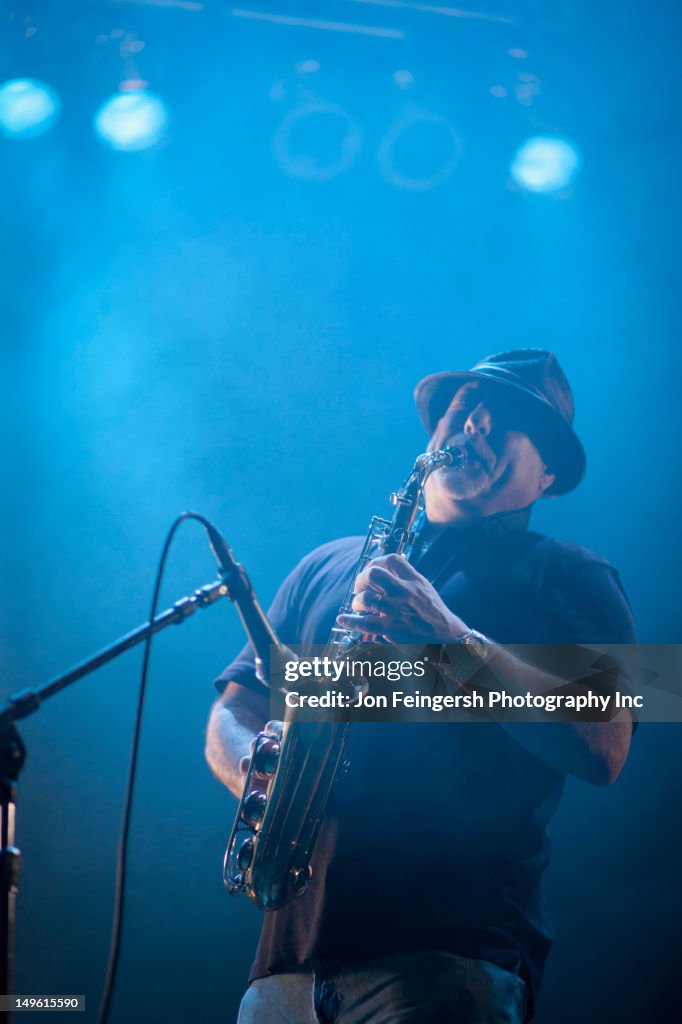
point(27, 108)
point(131, 120)
point(316, 142)
point(403, 78)
point(545, 164)
point(419, 152)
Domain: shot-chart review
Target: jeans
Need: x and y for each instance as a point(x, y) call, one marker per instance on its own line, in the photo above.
point(410, 988)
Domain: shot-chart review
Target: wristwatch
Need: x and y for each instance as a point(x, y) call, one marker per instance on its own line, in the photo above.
point(475, 642)
point(473, 650)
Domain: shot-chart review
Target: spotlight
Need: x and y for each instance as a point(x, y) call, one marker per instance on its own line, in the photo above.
point(419, 152)
point(545, 164)
point(27, 108)
point(131, 120)
point(316, 142)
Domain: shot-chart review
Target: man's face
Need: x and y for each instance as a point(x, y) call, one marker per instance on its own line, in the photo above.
point(503, 468)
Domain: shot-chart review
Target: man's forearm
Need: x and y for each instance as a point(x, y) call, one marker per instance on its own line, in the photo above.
point(232, 726)
point(594, 751)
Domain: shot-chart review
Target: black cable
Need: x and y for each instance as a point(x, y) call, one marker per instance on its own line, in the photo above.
point(122, 855)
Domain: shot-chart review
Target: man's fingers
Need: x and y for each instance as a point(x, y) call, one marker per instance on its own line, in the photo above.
point(370, 601)
point(399, 566)
point(381, 579)
point(396, 565)
point(373, 625)
point(367, 602)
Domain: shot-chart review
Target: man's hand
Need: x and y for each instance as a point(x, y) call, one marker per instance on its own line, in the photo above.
point(392, 600)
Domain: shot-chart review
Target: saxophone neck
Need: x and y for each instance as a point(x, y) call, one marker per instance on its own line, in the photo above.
point(408, 500)
point(411, 491)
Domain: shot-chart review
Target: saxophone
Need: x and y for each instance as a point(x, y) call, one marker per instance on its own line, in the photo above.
point(294, 764)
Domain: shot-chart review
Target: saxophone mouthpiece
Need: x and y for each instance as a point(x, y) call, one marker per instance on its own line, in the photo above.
point(450, 456)
point(456, 457)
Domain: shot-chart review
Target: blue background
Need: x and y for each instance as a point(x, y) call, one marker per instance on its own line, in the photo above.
point(224, 322)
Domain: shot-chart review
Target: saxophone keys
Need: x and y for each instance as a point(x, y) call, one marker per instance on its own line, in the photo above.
point(245, 854)
point(300, 879)
point(253, 808)
point(265, 757)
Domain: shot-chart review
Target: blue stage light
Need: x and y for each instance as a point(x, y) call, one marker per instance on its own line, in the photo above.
point(131, 120)
point(27, 108)
point(545, 164)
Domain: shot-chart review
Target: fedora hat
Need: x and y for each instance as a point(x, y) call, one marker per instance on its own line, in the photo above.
point(533, 380)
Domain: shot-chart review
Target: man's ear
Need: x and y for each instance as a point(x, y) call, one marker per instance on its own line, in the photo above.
point(545, 481)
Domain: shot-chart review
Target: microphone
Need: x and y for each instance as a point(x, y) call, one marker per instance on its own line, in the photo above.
point(241, 593)
point(221, 549)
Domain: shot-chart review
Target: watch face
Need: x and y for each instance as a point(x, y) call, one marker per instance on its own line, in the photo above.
point(476, 643)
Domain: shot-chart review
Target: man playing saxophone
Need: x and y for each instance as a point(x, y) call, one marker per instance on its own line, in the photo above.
point(425, 904)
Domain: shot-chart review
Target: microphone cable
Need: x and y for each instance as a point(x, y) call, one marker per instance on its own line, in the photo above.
point(124, 832)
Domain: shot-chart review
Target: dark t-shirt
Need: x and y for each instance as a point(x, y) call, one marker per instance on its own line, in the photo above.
point(437, 837)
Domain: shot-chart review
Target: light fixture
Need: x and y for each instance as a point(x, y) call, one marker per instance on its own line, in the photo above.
point(28, 108)
point(545, 163)
point(132, 120)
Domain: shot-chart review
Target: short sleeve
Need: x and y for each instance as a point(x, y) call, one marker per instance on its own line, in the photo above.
point(584, 599)
point(592, 607)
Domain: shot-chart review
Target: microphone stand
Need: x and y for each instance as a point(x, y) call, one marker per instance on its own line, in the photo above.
point(13, 751)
